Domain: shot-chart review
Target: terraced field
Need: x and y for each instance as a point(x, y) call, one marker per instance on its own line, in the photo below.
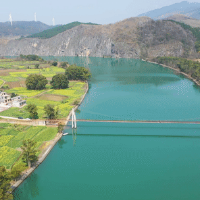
point(11, 137)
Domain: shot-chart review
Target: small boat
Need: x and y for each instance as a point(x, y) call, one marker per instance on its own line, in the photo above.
point(65, 133)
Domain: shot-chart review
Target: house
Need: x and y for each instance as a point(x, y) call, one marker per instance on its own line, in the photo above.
point(6, 99)
point(18, 101)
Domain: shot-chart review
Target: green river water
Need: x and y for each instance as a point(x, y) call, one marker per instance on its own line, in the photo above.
point(111, 161)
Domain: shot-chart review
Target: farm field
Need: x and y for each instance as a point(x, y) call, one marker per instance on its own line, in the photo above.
point(15, 78)
point(14, 64)
point(12, 135)
point(63, 98)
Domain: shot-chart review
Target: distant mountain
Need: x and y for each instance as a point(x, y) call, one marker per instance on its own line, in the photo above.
point(185, 19)
point(21, 28)
point(139, 37)
point(54, 31)
point(184, 7)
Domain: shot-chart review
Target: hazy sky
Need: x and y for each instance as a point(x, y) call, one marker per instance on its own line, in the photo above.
point(64, 11)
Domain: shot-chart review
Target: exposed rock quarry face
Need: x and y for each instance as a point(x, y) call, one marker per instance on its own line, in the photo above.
point(131, 38)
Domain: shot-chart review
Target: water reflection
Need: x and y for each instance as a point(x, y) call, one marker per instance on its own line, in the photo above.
point(74, 136)
point(30, 188)
point(61, 142)
point(124, 71)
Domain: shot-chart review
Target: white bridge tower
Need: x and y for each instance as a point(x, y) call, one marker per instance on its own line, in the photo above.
point(73, 119)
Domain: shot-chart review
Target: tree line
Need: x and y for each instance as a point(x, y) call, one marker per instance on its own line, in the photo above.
point(189, 67)
point(31, 57)
point(59, 81)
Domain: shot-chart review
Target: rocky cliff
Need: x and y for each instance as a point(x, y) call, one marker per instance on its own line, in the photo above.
point(131, 38)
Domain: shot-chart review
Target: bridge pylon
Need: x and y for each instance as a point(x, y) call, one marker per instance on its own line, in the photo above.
point(73, 119)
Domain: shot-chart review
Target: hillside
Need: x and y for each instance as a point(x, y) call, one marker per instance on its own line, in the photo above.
point(139, 37)
point(185, 19)
point(21, 28)
point(54, 31)
point(184, 7)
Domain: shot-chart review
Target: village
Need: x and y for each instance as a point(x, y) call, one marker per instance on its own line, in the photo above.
point(7, 102)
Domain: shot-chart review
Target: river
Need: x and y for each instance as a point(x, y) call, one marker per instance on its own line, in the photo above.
point(125, 161)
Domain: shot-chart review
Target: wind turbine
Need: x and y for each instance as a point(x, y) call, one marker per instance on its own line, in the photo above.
point(10, 18)
point(35, 17)
point(53, 20)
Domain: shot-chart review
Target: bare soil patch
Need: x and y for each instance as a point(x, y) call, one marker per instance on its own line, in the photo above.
point(5, 72)
point(16, 84)
point(52, 97)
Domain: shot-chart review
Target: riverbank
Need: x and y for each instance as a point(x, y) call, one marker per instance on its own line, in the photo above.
point(46, 151)
point(177, 70)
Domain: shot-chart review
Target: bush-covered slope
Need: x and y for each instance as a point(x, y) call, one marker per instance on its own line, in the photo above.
point(59, 29)
point(189, 67)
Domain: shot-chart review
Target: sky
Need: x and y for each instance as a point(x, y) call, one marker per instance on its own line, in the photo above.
point(64, 11)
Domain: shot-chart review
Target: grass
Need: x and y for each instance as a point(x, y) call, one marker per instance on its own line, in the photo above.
point(11, 137)
point(1, 82)
point(13, 64)
point(24, 92)
point(8, 156)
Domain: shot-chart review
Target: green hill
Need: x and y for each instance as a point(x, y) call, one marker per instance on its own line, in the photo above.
point(54, 31)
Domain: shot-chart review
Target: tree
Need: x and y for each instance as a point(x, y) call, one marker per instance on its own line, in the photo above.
point(13, 95)
point(50, 111)
point(54, 63)
point(32, 109)
point(29, 151)
point(36, 82)
point(5, 189)
point(37, 66)
point(17, 170)
point(64, 64)
point(60, 128)
point(31, 57)
point(59, 81)
point(74, 72)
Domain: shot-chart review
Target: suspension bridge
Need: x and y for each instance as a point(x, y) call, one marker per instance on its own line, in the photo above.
point(137, 121)
point(74, 121)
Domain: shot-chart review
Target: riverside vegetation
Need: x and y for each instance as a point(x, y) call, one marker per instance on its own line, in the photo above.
point(43, 91)
point(192, 68)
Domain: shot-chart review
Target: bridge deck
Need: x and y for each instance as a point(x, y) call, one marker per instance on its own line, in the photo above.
point(139, 121)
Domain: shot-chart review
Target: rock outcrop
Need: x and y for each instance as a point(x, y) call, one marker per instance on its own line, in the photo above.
point(139, 37)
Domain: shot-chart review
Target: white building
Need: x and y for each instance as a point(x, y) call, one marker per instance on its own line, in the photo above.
point(17, 101)
point(5, 99)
